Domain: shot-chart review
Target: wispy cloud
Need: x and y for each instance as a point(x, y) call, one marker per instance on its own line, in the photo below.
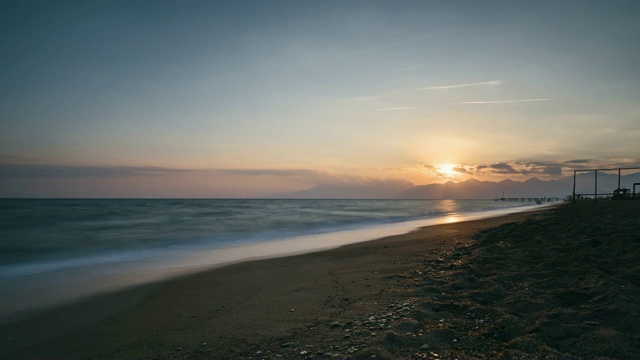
point(13, 159)
point(445, 87)
point(66, 172)
point(581, 164)
point(13, 170)
point(397, 108)
point(499, 101)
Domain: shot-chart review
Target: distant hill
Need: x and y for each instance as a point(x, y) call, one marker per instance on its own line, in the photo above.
point(534, 187)
point(475, 189)
point(468, 189)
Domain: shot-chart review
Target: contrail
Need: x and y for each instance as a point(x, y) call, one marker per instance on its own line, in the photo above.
point(499, 101)
point(487, 83)
point(396, 108)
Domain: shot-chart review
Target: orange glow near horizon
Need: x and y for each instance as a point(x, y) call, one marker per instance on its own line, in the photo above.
point(447, 169)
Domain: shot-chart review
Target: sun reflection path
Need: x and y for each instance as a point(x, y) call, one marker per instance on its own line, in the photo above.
point(451, 219)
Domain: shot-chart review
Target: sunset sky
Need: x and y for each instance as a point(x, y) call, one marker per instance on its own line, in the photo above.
point(253, 98)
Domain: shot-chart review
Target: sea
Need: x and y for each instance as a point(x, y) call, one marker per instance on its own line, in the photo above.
point(56, 251)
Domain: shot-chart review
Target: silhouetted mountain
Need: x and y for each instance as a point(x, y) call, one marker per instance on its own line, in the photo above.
point(469, 189)
point(474, 189)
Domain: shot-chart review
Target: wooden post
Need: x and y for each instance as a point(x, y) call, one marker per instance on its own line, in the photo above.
point(573, 198)
point(595, 193)
point(618, 178)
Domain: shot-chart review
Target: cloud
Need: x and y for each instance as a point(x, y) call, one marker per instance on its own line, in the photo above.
point(578, 161)
point(502, 168)
point(587, 164)
point(27, 170)
point(499, 101)
point(396, 108)
point(461, 169)
point(527, 168)
point(268, 172)
point(445, 87)
point(305, 175)
point(309, 176)
point(22, 171)
point(515, 168)
point(521, 168)
point(539, 168)
point(10, 158)
point(13, 159)
point(551, 168)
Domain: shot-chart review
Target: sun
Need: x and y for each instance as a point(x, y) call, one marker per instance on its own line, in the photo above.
point(447, 169)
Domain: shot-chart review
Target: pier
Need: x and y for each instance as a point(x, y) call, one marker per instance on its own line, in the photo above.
point(529, 199)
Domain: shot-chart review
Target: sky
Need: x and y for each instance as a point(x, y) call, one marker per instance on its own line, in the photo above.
point(256, 98)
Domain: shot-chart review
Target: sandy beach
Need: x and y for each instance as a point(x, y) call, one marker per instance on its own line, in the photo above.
point(558, 283)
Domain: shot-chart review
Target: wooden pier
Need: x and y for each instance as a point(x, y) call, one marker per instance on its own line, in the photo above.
point(529, 199)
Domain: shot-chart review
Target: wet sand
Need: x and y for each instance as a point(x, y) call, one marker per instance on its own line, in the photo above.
point(560, 283)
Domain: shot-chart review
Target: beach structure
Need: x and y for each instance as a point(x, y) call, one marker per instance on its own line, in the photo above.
point(537, 200)
point(617, 194)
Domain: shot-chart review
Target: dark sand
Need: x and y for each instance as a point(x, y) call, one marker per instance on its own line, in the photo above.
point(561, 283)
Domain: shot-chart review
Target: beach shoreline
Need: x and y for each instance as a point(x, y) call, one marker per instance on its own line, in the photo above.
point(30, 287)
point(396, 297)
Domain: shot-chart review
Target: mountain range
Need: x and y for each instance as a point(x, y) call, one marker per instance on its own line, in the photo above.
point(470, 189)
